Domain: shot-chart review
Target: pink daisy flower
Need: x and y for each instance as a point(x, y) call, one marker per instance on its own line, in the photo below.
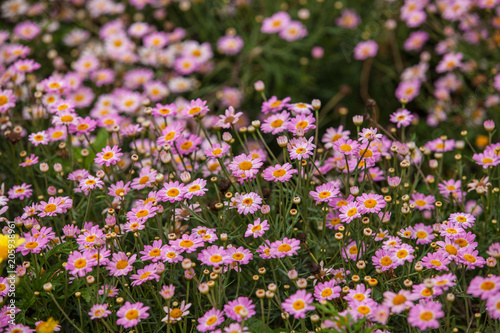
point(217, 151)
point(326, 291)
point(325, 192)
point(214, 256)
point(99, 311)
point(108, 156)
point(402, 118)
point(274, 105)
point(437, 261)
point(233, 308)
point(210, 320)
point(302, 123)
point(131, 314)
point(187, 243)
point(493, 306)
point(196, 108)
point(301, 148)
point(425, 315)
point(384, 259)
point(247, 203)
point(279, 173)
point(285, 247)
point(365, 50)
point(298, 304)
point(276, 123)
point(29, 161)
point(119, 190)
point(257, 229)
point(172, 192)
point(484, 287)
point(350, 212)
point(371, 203)
point(146, 274)
point(80, 263)
point(245, 165)
point(400, 301)
point(120, 264)
point(39, 138)
point(90, 183)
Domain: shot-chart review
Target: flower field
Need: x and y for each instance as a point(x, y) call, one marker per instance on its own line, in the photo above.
point(242, 166)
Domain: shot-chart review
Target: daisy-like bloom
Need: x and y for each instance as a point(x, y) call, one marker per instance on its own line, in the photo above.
point(214, 256)
point(384, 259)
point(486, 159)
point(99, 311)
point(171, 254)
point(346, 147)
point(187, 243)
point(279, 173)
point(445, 281)
point(83, 126)
point(164, 110)
point(298, 304)
point(422, 201)
point(484, 287)
point(120, 264)
point(274, 105)
point(239, 256)
point(449, 187)
point(233, 308)
point(404, 252)
point(7, 100)
point(400, 301)
point(146, 274)
point(108, 290)
point(196, 108)
point(285, 247)
point(463, 219)
point(449, 62)
point(423, 234)
point(325, 192)
point(65, 118)
point(170, 133)
point(230, 45)
point(402, 118)
point(32, 245)
point(80, 263)
point(229, 118)
point(108, 156)
point(29, 161)
point(247, 203)
point(90, 183)
point(39, 138)
point(293, 31)
point(365, 50)
point(172, 192)
point(57, 133)
point(196, 188)
point(326, 290)
point(187, 145)
point(257, 228)
point(470, 258)
point(119, 190)
point(142, 213)
point(276, 123)
point(217, 151)
point(301, 148)
point(371, 203)
point(20, 191)
point(50, 208)
point(210, 320)
point(425, 315)
point(408, 90)
point(245, 165)
point(437, 261)
point(176, 314)
point(334, 134)
point(133, 226)
point(440, 146)
point(146, 178)
point(304, 123)
point(275, 23)
point(493, 306)
point(131, 314)
point(349, 19)
point(349, 212)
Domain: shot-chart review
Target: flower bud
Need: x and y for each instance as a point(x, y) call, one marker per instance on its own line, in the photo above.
point(282, 141)
point(259, 86)
point(357, 120)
